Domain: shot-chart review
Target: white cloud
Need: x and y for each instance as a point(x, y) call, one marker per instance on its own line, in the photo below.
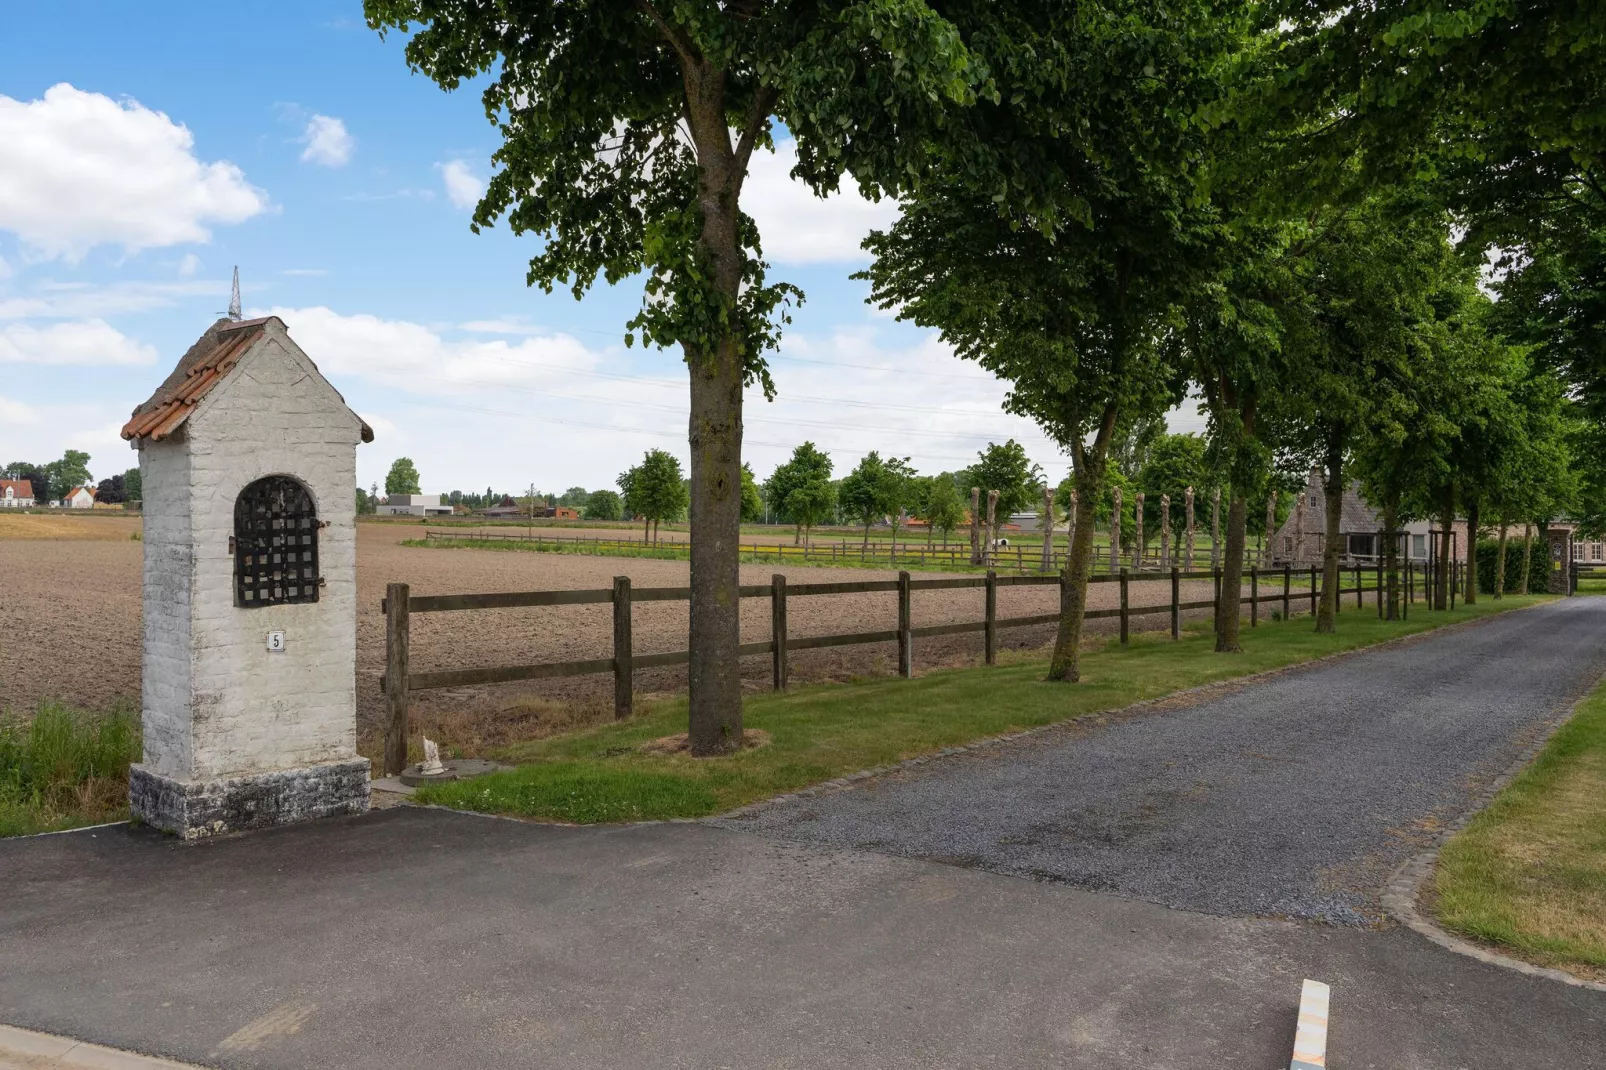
point(308, 272)
point(88, 342)
point(79, 300)
point(328, 142)
point(413, 357)
point(16, 414)
point(463, 187)
point(80, 169)
point(798, 227)
point(189, 265)
point(5, 269)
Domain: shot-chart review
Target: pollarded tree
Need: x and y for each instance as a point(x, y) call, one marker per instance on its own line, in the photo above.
point(628, 129)
point(402, 477)
point(1006, 469)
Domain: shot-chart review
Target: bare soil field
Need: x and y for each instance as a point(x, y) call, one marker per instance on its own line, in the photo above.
point(70, 624)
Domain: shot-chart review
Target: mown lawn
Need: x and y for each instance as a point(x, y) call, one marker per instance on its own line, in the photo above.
point(818, 733)
point(1529, 873)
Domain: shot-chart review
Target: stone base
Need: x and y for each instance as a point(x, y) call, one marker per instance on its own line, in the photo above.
point(198, 808)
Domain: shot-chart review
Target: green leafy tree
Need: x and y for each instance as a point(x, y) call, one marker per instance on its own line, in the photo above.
point(603, 505)
point(943, 509)
point(874, 490)
point(402, 477)
point(752, 500)
point(69, 472)
point(1175, 463)
point(133, 485)
point(1006, 469)
point(654, 490)
point(574, 497)
point(627, 133)
point(808, 467)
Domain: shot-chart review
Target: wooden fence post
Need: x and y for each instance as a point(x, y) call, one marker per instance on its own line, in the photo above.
point(1254, 596)
point(623, 654)
point(1454, 565)
point(778, 630)
point(396, 667)
point(1288, 583)
point(991, 629)
point(1215, 580)
point(1124, 614)
point(906, 641)
point(1360, 595)
point(1313, 592)
point(1380, 583)
point(1176, 602)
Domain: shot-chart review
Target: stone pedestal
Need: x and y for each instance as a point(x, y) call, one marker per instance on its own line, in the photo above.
point(196, 808)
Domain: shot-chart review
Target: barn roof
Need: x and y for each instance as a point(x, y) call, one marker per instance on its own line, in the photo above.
point(207, 363)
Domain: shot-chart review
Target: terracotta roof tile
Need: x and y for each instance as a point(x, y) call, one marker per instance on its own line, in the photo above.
point(202, 368)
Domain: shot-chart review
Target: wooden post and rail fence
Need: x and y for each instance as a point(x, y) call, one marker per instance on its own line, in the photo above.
point(400, 604)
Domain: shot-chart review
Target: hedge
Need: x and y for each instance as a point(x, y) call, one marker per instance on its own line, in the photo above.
point(1539, 571)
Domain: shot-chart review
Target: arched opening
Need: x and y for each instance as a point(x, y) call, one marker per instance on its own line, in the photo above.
point(275, 544)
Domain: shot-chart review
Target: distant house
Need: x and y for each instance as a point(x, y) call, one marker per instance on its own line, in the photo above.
point(79, 498)
point(414, 505)
point(16, 494)
point(1300, 540)
point(505, 512)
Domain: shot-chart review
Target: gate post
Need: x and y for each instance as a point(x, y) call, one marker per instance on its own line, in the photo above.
point(1176, 598)
point(990, 631)
point(1254, 596)
point(623, 655)
point(906, 646)
point(1123, 606)
point(778, 630)
point(396, 629)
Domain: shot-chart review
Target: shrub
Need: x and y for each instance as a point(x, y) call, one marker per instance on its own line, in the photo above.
point(64, 767)
point(1539, 569)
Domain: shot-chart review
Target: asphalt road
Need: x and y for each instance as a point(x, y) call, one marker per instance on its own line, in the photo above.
point(424, 938)
point(1291, 797)
point(421, 938)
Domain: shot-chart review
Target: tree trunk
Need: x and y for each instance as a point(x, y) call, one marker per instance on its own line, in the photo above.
point(1391, 554)
point(646, 530)
point(1441, 581)
point(1333, 495)
point(797, 535)
point(1472, 552)
point(992, 526)
point(864, 547)
point(1500, 564)
point(715, 434)
point(1065, 664)
point(1228, 610)
point(1527, 552)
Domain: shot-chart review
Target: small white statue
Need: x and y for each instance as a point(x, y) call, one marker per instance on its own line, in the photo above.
point(431, 765)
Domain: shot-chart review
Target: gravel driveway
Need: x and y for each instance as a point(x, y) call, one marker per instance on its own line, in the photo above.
point(1291, 797)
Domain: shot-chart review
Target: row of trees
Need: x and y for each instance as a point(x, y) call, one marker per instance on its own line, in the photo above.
point(1281, 207)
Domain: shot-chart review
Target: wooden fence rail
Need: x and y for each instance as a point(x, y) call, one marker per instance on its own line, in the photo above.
point(400, 604)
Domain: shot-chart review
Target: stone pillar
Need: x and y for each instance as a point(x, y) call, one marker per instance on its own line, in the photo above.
point(1137, 533)
point(1187, 561)
point(1115, 530)
point(1215, 529)
point(248, 692)
point(1165, 531)
point(1047, 527)
point(975, 525)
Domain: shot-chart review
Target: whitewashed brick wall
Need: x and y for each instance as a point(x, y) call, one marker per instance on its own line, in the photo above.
point(251, 710)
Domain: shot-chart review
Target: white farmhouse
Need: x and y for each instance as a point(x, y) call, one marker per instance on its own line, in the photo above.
point(79, 498)
point(248, 458)
point(16, 494)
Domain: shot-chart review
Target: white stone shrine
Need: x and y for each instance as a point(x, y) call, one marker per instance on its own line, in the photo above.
point(248, 458)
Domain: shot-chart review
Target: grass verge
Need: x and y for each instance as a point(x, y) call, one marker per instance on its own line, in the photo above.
point(1529, 873)
point(62, 768)
point(602, 774)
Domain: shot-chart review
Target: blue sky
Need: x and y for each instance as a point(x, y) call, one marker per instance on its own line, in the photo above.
point(150, 148)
